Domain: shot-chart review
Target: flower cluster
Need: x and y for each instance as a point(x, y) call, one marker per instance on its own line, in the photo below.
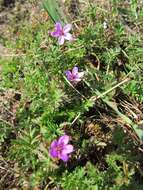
point(60, 149)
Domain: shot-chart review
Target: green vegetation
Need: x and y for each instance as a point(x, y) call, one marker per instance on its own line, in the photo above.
point(103, 113)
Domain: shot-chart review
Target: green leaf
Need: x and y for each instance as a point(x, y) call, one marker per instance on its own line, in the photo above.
point(53, 9)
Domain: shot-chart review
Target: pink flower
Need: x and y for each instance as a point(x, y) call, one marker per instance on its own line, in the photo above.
point(62, 33)
point(60, 148)
point(74, 75)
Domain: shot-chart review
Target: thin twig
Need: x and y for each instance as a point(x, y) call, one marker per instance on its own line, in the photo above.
point(13, 90)
point(74, 88)
point(13, 55)
point(75, 119)
point(94, 98)
point(6, 122)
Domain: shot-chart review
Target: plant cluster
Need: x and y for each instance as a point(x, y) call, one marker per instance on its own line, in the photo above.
point(71, 104)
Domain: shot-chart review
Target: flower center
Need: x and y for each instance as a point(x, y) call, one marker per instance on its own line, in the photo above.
point(59, 148)
point(61, 33)
point(75, 76)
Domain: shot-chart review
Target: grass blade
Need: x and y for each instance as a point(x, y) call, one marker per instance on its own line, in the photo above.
point(53, 10)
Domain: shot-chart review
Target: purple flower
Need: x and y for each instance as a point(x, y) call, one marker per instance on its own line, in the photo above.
point(74, 75)
point(60, 148)
point(62, 33)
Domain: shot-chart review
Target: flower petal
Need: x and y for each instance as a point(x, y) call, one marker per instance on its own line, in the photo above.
point(53, 152)
point(80, 74)
point(54, 144)
point(77, 80)
point(75, 71)
point(58, 30)
point(58, 27)
point(61, 40)
point(64, 139)
point(67, 28)
point(68, 36)
point(67, 149)
point(68, 75)
point(55, 34)
point(64, 157)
